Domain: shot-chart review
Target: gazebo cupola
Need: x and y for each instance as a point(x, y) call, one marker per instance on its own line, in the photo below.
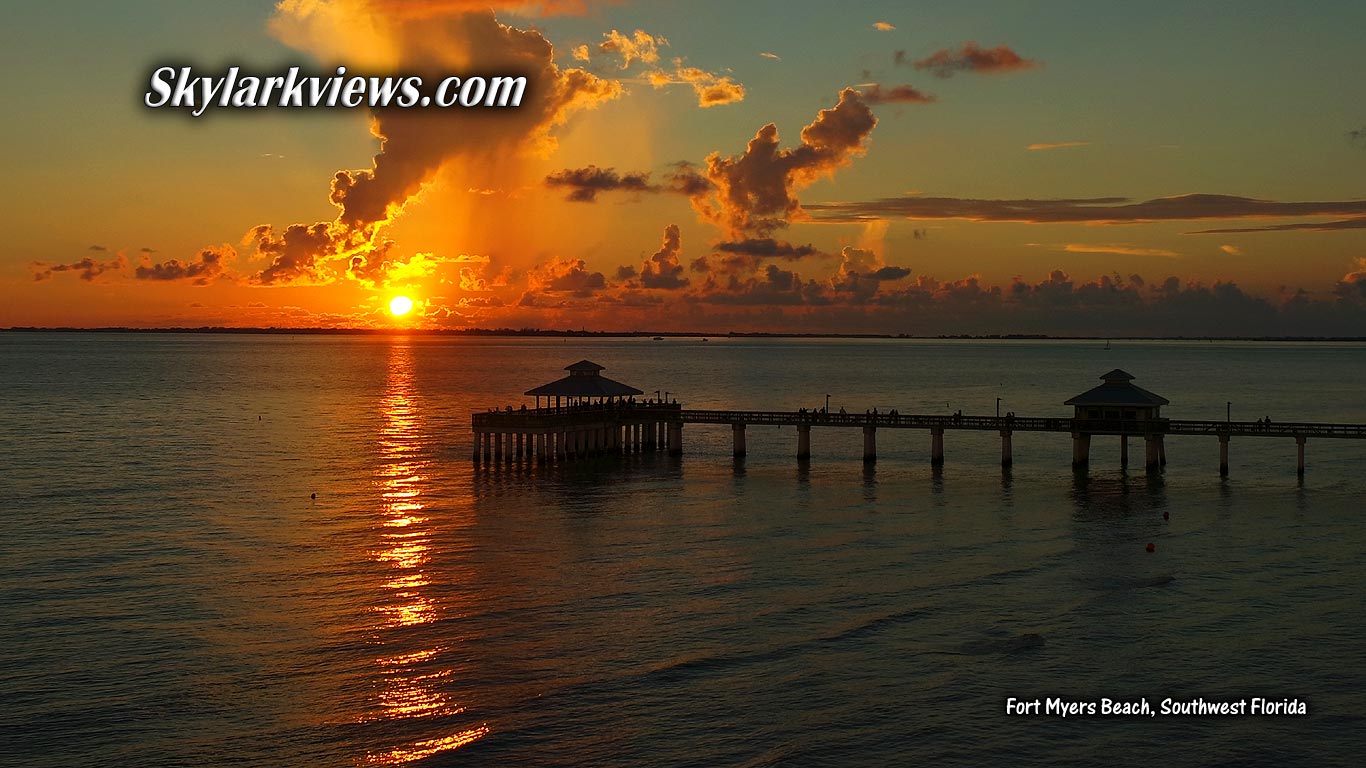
point(585, 383)
point(1118, 398)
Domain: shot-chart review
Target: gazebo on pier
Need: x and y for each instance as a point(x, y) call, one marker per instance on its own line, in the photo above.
point(1118, 406)
point(584, 384)
point(1118, 399)
point(584, 414)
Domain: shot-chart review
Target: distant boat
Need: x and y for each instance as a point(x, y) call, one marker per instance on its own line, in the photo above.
point(1107, 343)
point(659, 338)
point(704, 338)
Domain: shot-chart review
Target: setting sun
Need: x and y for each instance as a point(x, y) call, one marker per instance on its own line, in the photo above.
point(400, 306)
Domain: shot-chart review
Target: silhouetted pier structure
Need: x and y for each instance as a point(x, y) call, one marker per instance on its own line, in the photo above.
point(585, 414)
point(603, 420)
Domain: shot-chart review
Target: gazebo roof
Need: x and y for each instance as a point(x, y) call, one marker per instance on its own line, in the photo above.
point(1118, 391)
point(585, 379)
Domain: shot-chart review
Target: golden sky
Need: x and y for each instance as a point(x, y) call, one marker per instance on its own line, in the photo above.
point(875, 167)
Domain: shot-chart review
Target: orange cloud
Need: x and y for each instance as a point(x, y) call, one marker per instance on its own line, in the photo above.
point(416, 144)
point(431, 9)
point(883, 26)
point(1056, 145)
point(639, 46)
point(711, 89)
point(754, 192)
point(1119, 249)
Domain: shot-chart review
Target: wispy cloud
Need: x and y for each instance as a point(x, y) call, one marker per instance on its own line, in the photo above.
point(1311, 226)
point(900, 94)
point(711, 89)
point(883, 26)
point(1098, 210)
point(1231, 250)
point(585, 183)
point(1119, 249)
point(87, 268)
point(209, 265)
point(1056, 145)
point(971, 57)
point(773, 56)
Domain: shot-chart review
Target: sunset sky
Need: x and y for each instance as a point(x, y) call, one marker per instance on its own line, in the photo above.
point(923, 168)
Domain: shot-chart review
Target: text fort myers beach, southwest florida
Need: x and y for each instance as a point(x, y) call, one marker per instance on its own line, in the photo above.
point(1141, 707)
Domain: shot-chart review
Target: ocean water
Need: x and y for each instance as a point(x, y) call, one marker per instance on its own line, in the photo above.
point(173, 595)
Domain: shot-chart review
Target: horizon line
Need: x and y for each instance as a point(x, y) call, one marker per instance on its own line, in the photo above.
point(567, 333)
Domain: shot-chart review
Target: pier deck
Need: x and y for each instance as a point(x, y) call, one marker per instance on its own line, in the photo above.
point(603, 417)
point(1026, 424)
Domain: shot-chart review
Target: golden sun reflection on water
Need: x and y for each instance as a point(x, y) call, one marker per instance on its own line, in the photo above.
point(408, 685)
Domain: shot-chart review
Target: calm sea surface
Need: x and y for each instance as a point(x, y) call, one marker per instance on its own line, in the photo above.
point(171, 595)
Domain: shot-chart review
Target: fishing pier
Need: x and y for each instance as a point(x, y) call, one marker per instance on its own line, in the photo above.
point(586, 414)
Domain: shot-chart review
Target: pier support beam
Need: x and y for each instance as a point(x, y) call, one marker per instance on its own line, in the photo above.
point(561, 448)
point(521, 447)
point(1081, 450)
point(1299, 449)
point(498, 447)
point(870, 445)
point(1223, 455)
point(1153, 458)
point(1007, 453)
point(478, 443)
point(1123, 451)
point(540, 448)
point(676, 439)
point(803, 442)
point(937, 446)
point(737, 432)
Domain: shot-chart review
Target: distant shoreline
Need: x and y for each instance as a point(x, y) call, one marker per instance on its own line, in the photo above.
point(551, 333)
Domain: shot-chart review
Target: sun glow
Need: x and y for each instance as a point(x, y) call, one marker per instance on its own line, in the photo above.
point(400, 306)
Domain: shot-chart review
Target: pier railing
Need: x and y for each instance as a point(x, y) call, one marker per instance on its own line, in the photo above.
point(1025, 423)
point(569, 415)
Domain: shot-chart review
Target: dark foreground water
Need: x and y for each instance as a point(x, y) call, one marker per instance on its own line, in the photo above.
point(171, 595)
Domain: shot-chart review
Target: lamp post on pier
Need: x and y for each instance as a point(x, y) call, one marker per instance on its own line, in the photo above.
point(827, 403)
point(1228, 412)
point(998, 407)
